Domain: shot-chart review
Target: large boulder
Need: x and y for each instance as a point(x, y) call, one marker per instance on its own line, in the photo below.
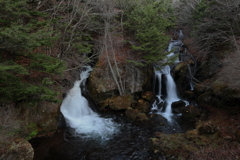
point(19, 150)
point(159, 119)
point(176, 105)
point(181, 74)
point(101, 84)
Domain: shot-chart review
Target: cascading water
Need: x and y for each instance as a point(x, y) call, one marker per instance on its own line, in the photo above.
point(171, 90)
point(79, 115)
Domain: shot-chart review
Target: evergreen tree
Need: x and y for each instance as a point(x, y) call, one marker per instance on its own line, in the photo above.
point(149, 21)
point(25, 70)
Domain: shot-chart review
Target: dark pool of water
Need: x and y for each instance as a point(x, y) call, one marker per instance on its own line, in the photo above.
point(130, 143)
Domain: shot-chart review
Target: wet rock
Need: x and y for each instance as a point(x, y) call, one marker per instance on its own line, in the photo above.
point(158, 118)
point(149, 96)
point(176, 105)
point(180, 77)
point(132, 113)
point(190, 113)
point(21, 150)
point(143, 105)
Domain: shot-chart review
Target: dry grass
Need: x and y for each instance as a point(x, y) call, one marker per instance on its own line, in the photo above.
point(230, 71)
point(10, 125)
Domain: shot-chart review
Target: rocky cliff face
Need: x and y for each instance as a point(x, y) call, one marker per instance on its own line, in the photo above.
point(101, 84)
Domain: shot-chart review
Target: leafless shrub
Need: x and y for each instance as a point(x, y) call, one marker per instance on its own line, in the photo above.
point(230, 71)
point(10, 124)
point(213, 24)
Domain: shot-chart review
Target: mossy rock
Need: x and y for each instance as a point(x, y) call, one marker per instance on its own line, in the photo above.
point(178, 145)
point(206, 128)
point(149, 96)
point(143, 105)
point(181, 67)
point(19, 150)
point(180, 77)
point(132, 113)
point(120, 102)
point(142, 117)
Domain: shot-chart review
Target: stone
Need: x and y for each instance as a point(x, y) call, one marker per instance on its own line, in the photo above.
point(190, 112)
point(180, 77)
point(21, 150)
point(143, 105)
point(120, 102)
point(158, 118)
point(142, 117)
point(149, 96)
point(132, 113)
point(176, 105)
point(101, 84)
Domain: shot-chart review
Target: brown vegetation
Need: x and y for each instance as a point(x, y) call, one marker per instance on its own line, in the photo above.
point(10, 125)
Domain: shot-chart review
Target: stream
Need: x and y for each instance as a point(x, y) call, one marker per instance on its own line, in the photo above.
point(87, 135)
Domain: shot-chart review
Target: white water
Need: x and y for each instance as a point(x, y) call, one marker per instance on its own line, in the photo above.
point(171, 90)
point(80, 116)
point(171, 93)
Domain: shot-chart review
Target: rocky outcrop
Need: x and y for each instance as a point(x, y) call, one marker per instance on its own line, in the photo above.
point(176, 105)
point(218, 94)
point(181, 75)
point(143, 105)
point(101, 84)
point(149, 96)
point(19, 150)
point(118, 102)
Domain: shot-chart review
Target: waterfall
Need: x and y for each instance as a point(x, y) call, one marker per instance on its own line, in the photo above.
point(79, 115)
point(171, 89)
